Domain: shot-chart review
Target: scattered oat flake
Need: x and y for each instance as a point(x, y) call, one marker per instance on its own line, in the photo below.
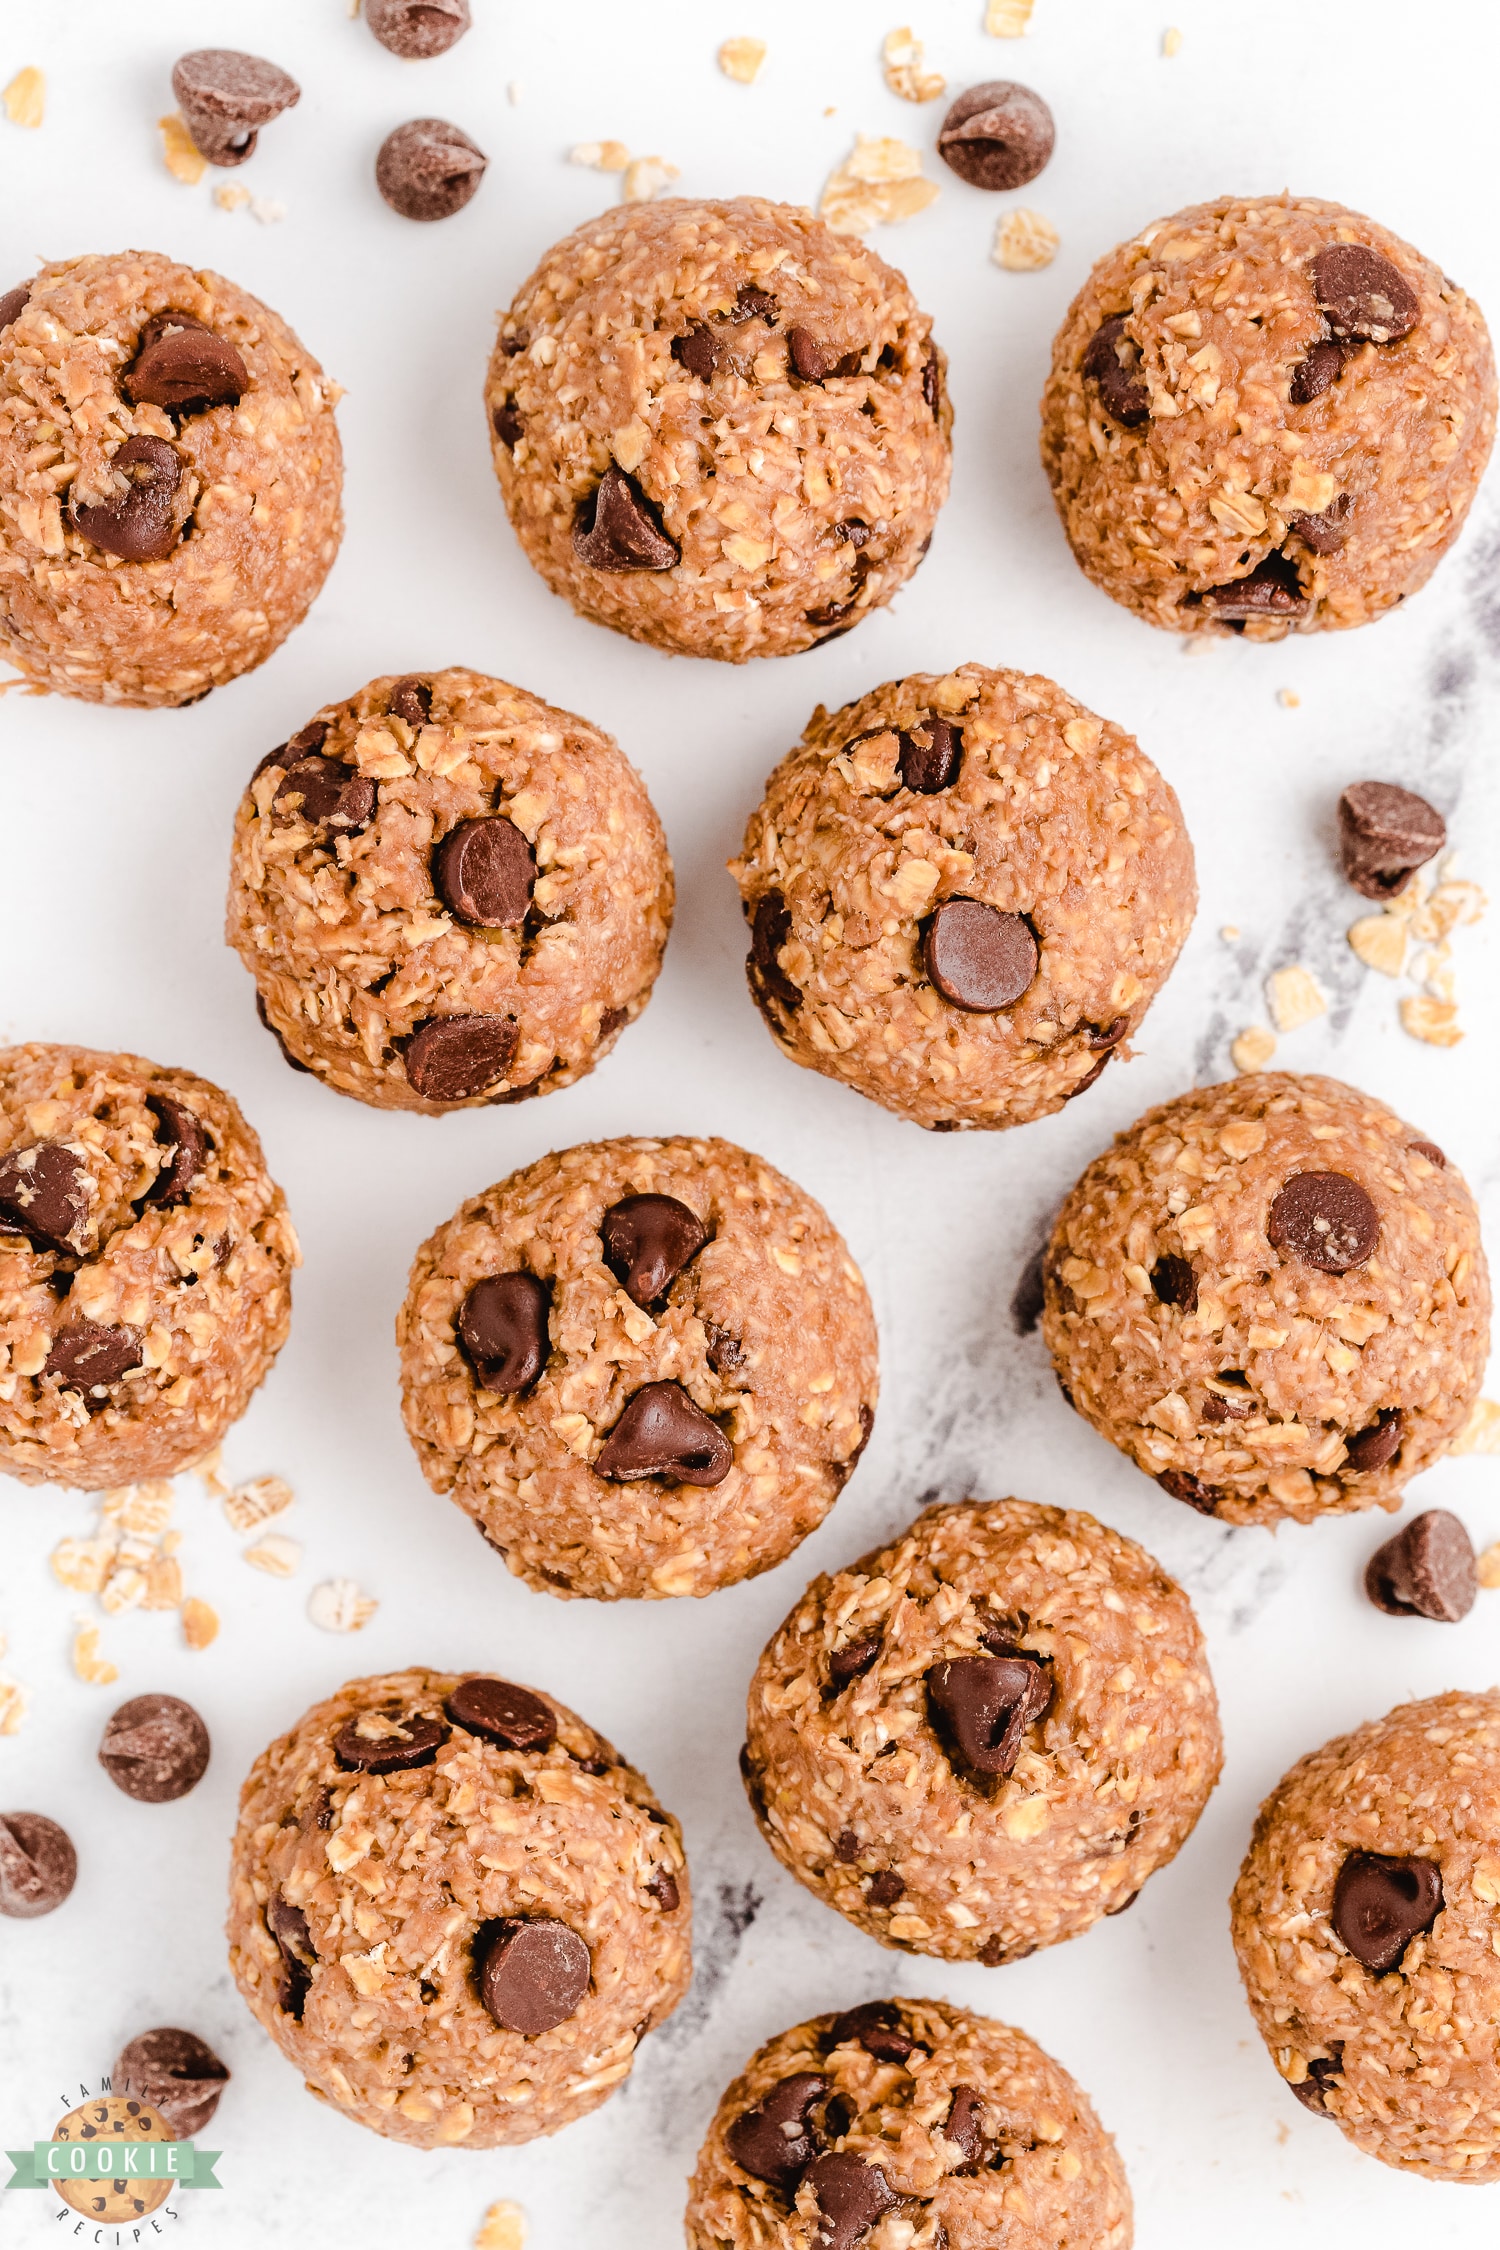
point(1487, 1567)
point(1230, 932)
point(142, 1508)
point(163, 1583)
point(232, 196)
point(645, 178)
point(1171, 44)
point(1024, 241)
point(1007, 19)
point(25, 98)
point(1294, 998)
point(277, 1556)
point(502, 2228)
point(257, 1501)
point(1434, 1022)
point(200, 1622)
point(1380, 940)
point(600, 156)
point(1481, 1432)
point(267, 210)
point(739, 59)
point(13, 1701)
point(1289, 699)
point(1253, 1049)
point(878, 185)
point(82, 1564)
point(183, 160)
point(87, 1661)
point(338, 1606)
point(902, 56)
point(123, 1589)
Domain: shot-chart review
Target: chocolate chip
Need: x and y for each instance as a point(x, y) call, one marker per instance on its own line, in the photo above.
point(90, 1356)
point(484, 873)
point(965, 2126)
point(1385, 833)
point(1380, 1904)
point(1362, 295)
point(876, 2026)
point(1427, 1570)
point(770, 927)
point(814, 362)
point(753, 303)
point(648, 1240)
point(155, 1748)
point(288, 1926)
point(427, 169)
point(853, 531)
point(416, 29)
point(176, 2072)
point(412, 1740)
point(1272, 589)
point(506, 423)
point(502, 1713)
point(1204, 1497)
point(983, 1705)
point(1109, 1034)
point(1112, 364)
point(663, 1888)
point(1326, 1220)
point(1313, 2090)
point(185, 370)
point(698, 350)
point(1175, 1283)
point(1090, 1077)
point(725, 1353)
point(45, 1189)
point(846, 1847)
point(1324, 533)
point(532, 1974)
point(663, 1434)
point(932, 394)
point(185, 1144)
point(502, 1325)
point(14, 303)
point(977, 957)
point(137, 524)
point(1378, 1442)
point(1312, 376)
point(1431, 1151)
point(843, 1470)
point(618, 528)
point(851, 2195)
point(773, 2141)
point(998, 135)
point(38, 1865)
point(325, 793)
point(1233, 1407)
point(612, 1020)
point(292, 1061)
point(854, 1658)
point(930, 756)
point(452, 1058)
point(1029, 1297)
point(225, 97)
point(411, 700)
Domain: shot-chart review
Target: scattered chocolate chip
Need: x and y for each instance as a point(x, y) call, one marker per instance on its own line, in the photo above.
point(225, 97)
point(977, 957)
point(698, 350)
point(1175, 1283)
point(1029, 1297)
point(770, 927)
point(484, 872)
point(851, 2195)
point(874, 2025)
point(416, 29)
point(38, 1865)
point(136, 524)
point(814, 362)
point(411, 700)
point(998, 135)
point(45, 1189)
point(1326, 1220)
point(427, 169)
point(185, 1144)
point(932, 393)
point(502, 1325)
point(452, 1058)
point(90, 1356)
point(176, 2072)
point(1112, 364)
point(930, 756)
point(725, 1353)
point(853, 1659)
point(1380, 1904)
point(1431, 1151)
point(1362, 295)
point(1313, 2091)
point(325, 793)
point(412, 1741)
point(502, 1713)
point(1378, 1442)
point(1272, 589)
point(1312, 376)
point(505, 421)
point(1427, 1570)
point(648, 1240)
point(1384, 834)
point(533, 1974)
point(773, 2142)
point(14, 303)
point(292, 1061)
point(983, 1706)
point(662, 1433)
point(185, 369)
point(965, 2126)
point(1204, 1497)
point(663, 1888)
point(1325, 533)
point(618, 528)
point(155, 1748)
point(752, 303)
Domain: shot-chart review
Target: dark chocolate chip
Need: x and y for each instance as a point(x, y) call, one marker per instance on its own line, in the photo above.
point(428, 169)
point(155, 1748)
point(853, 531)
point(502, 1713)
point(502, 1325)
point(288, 1926)
point(698, 350)
point(774, 2141)
point(533, 1974)
point(932, 393)
point(983, 1705)
point(1204, 1497)
point(1325, 533)
point(876, 2026)
point(136, 524)
point(977, 957)
point(853, 1659)
point(1380, 1904)
point(225, 97)
point(1378, 1442)
point(814, 362)
point(753, 303)
point(1427, 1570)
point(453, 1058)
point(770, 927)
point(1112, 364)
point(844, 1470)
point(1312, 376)
point(505, 421)
point(965, 2127)
point(184, 1144)
point(885, 1888)
point(1271, 589)
point(1362, 295)
point(1175, 1282)
point(851, 2195)
point(725, 1353)
point(930, 756)
point(662, 1433)
point(412, 1741)
point(617, 528)
point(1219, 1408)
point(484, 872)
point(648, 1240)
point(1385, 833)
point(1029, 1298)
point(1313, 2091)
point(846, 1847)
point(1090, 1077)
point(90, 1356)
point(1097, 1035)
point(663, 1888)
point(411, 700)
point(176, 2072)
point(38, 1865)
point(416, 29)
point(1431, 1151)
point(1325, 1219)
point(14, 303)
point(45, 1189)
point(997, 135)
point(292, 1061)
point(994, 1952)
point(186, 370)
point(325, 793)
point(612, 1020)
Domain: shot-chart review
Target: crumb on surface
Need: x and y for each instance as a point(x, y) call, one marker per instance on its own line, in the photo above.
point(1024, 241)
point(741, 60)
point(878, 184)
point(179, 152)
point(1007, 19)
point(1253, 1049)
point(25, 98)
point(1293, 997)
point(902, 58)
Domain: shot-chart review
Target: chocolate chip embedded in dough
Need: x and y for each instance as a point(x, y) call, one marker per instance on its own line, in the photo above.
point(997, 135)
point(1325, 533)
point(1175, 1283)
point(38, 1865)
point(413, 1740)
point(617, 529)
point(45, 1189)
point(532, 1974)
point(774, 2140)
point(1099, 1035)
point(1326, 1220)
point(854, 1659)
point(502, 1713)
point(1385, 833)
point(452, 1058)
point(1427, 1570)
point(89, 1356)
point(851, 2195)
point(698, 349)
point(977, 957)
point(1314, 374)
point(983, 1706)
point(417, 29)
point(14, 303)
point(662, 1433)
point(648, 1240)
point(1378, 1442)
point(1204, 1497)
point(136, 524)
point(885, 1888)
point(930, 755)
point(1271, 589)
point(1361, 295)
point(1381, 1903)
point(932, 394)
point(1313, 2090)
point(411, 700)
point(874, 2025)
point(725, 1353)
point(185, 1144)
point(1431, 1152)
point(428, 169)
point(186, 370)
point(484, 872)
point(293, 1062)
point(505, 421)
point(503, 1326)
point(754, 303)
point(1090, 1077)
point(770, 927)
point(325, 793)
point(155, 1748)
point(288, 1926)
point(814, 361)
point(226, 96)
point(176, 2072)
point(1112, 364)
point(965, 2127)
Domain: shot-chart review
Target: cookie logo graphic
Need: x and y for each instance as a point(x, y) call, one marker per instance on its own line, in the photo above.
point(116, 2200)
point(115, 2159)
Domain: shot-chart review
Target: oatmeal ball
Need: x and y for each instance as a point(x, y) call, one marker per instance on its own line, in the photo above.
point(455, 1908)
point(719, 427)
point(170, 476)
point(1272, 1295)
point(963, 895)
point(1366, 1919)
point(643, 1367)
point(448, 893)
point(959, 2128)
point(1266, 415)
point(145, 1267)
point(981, 1738)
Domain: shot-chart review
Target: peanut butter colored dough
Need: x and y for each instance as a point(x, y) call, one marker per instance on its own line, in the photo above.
point(767, 402)
point(767, 1330)
point(1023, 2160)
point(1051, 815)
point(1247, 1380)
point(362, 1906)
point(255, 507)
point(1404, 2060)
point(145, 1267)
point(344, 927)
point(862, 1792)
point(1255, 442)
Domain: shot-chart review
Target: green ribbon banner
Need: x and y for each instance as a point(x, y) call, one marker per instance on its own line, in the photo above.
point(48, 2163)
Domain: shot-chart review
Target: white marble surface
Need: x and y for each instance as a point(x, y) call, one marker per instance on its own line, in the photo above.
point(113, 851)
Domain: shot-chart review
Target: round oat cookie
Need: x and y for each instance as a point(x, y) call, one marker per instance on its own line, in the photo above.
point(955, 2130)
point(145, 1267)
point(644, 1367)
point(963, 893)
point(1273, 1296)
point(719, 427)
point(1266, 415)
point(448, 893)
point(455, 1908)
point(981, 1738)
point(1366, 1919)
point(170, 479)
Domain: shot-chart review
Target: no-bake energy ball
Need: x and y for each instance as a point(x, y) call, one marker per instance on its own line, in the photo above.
point(448, 893)
point(1266, 415)
point(1366, 1919)
point(719, 427)
point(145, 1267)
point(963, 894)
point(455, 1908)
point(1272, 1294)
point(643, 1367)
point(169, 479)
point(981, 1738)
point(956, 2129)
